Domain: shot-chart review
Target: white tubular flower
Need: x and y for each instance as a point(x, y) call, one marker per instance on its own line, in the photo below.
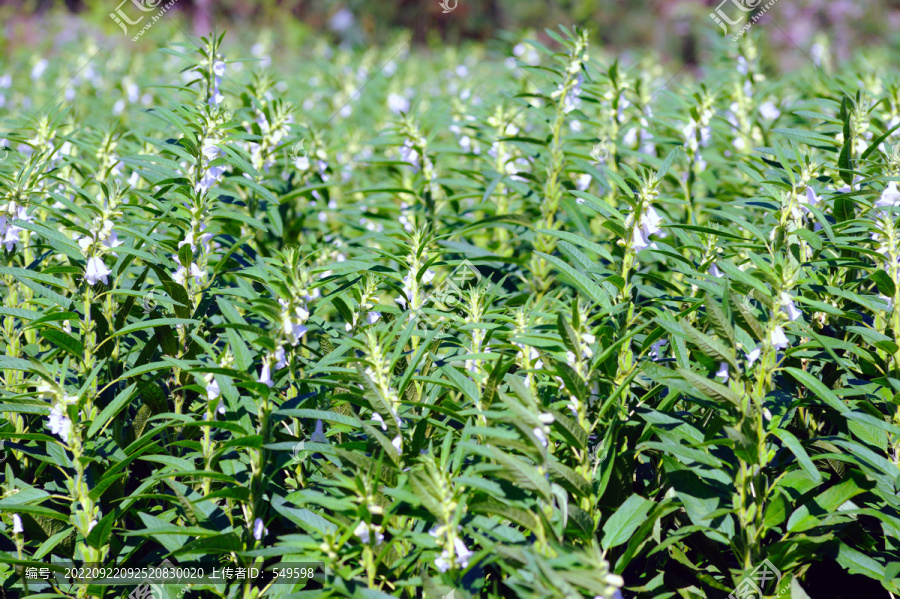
point(655, 349)
point(409, 154)
point(769, 111)
point(807, 201)
point(753, 356)
point(647, 225)
point(318, 435)
point(398, 103)
point(715, 271)
point(181, 273)
point(788, 307)
point(541, 436)
point(377, 418)
point(778, 338)
point(96, 271)
point(17, 524)
point(723, 371)
point(259, 529)
point(212, 387)
point(265, 375)
point(890, 198)
point(280, 361)
point(60, 424)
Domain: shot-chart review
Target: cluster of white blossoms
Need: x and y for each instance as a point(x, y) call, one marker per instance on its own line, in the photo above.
point(208, 175)
point(216, 97)
point(10, 233)
point(59, 422)
point(102, 238)
point(888, 242)
point(698, 135)
point(192, 269)
point(460, 554)
point(777, 338)
point(294, 315)
point(366, 532)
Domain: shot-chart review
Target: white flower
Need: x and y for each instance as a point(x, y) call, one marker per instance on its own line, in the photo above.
point(341, 21)
point(212, 388)
point(541, 436)
point(280, 361)
point(811, 199)
point(265, 375)
point(181, 272)
point(60, 424)
point(318, 435)
point(645, 227)
point(39, 68)
point(655, 348)
point(723, 371)
point(889, 198)
point(397, 442)
point(779, 341)
point(409, 154)
point(753, 356)
point(788, 307)
point(96, 271)
point(398, 104)
point(888, 301)
point(17, 524)
point(715, 271)
point(462, 556)
point(362, 532)
point(259, 529)
point(377, 418)
point(768, 111)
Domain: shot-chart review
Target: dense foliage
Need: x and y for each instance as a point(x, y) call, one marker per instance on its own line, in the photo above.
point(550, 326)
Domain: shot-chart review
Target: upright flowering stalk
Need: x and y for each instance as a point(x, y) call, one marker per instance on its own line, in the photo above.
point(887, 243)
point(415, 152)
point(502, 152)
point(565, 100)
point(413, 296)
point(642, 222)
point(697, 135)
point(379, 372)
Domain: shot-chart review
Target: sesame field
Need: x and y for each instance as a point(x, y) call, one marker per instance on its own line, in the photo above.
point(525, 317)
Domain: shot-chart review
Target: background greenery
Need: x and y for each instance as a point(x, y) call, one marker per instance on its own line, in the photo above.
point(679, 358)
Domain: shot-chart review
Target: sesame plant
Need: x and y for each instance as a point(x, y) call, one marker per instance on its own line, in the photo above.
point(545, 325)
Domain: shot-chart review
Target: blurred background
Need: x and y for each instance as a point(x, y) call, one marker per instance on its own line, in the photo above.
point(670, 27)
